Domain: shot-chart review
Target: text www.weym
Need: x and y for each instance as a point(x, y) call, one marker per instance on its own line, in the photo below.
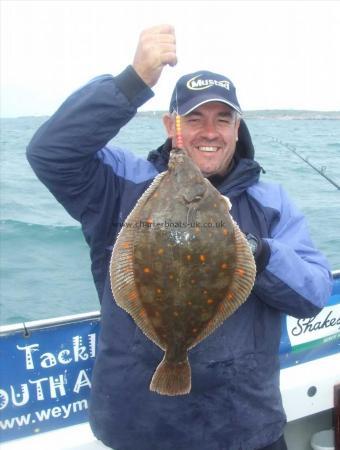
point(63, 411)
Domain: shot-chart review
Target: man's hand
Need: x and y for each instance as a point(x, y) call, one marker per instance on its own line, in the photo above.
point(156, 48)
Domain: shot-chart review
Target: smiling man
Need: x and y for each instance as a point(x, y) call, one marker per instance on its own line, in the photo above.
point(235, 401)
point(210, 122)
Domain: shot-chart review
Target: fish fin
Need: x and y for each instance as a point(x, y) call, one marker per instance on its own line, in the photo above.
point(245, 268)
point(122, 276)
point(123, 284)
point(240, 287)
point(172, 378)
point(147, 193)
point(228, 202)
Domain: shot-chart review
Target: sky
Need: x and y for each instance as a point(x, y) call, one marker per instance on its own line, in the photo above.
point(279, 54)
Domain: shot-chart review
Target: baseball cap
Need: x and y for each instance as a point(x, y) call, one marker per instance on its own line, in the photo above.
point(195, 89)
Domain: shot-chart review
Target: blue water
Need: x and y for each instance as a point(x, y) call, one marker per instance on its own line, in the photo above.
point(44, 260)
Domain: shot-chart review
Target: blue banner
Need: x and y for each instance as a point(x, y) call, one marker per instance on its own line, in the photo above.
point(45, 379)
point(46, 376)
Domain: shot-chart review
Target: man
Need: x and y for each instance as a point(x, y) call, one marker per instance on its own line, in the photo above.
point(235, 401)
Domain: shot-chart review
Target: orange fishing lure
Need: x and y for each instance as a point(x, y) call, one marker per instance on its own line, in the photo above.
point(179, 137)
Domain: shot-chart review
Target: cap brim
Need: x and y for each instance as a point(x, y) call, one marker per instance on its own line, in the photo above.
point(188, 107)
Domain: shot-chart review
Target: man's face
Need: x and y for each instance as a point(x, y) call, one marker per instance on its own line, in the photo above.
point(209, 135)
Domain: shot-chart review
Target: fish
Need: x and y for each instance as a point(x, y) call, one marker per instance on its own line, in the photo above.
point(180, 267)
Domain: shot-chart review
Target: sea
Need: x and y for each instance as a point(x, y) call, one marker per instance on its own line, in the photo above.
point(44, 259)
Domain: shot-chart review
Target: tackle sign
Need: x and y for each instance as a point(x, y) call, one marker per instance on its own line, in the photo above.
point(45, 379)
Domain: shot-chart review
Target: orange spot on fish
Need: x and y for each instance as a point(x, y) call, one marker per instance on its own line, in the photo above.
point(210, 301)
point(146, 270)
point(225, 231)
point(126, 245)
point(133, 296)
point(160, 251)
point(230, 296)
point(202, 258)
point(197, 230)
point(240, 272)
point(221, 308)
point(171, 277)
point(224, 266)
point(159, 291)
point(149, 221)
point(189, 257)
point(142, 313)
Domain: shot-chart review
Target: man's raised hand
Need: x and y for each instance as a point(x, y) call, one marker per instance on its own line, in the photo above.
point(156, 49)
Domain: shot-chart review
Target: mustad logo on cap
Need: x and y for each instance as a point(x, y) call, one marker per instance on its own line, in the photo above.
point(195, 89)
point(197, 84)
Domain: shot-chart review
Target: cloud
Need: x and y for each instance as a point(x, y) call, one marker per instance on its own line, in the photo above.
point(281, 55)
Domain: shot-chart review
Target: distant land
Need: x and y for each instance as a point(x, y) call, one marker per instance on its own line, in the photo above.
point(278, 114)
point(288, 114)
point(261, 114)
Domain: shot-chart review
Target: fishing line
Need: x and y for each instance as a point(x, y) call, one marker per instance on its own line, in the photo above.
point(292, 149)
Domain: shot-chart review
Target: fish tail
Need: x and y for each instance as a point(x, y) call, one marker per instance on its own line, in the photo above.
point(172, 378)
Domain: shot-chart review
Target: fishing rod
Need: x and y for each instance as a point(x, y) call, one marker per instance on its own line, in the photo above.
point(292, 148)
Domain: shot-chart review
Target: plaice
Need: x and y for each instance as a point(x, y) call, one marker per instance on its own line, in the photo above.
point(180, 267)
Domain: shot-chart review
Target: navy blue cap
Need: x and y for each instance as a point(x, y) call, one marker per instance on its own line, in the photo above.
point(195, 89)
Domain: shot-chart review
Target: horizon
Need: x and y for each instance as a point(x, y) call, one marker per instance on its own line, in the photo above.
point(245, 112)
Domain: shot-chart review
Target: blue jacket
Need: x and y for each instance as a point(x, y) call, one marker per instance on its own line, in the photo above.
point(235, 401)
